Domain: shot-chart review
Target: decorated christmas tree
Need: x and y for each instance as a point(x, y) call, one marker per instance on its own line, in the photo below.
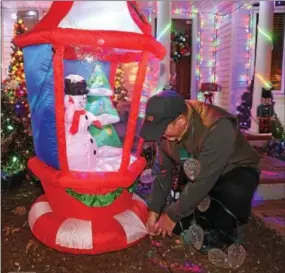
point(17, 143)
point(120, 92)
point(98, 79)
point(243, 110)
point(99, 104)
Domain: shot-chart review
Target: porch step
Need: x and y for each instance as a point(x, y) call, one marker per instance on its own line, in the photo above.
point(272, 180)
point(253, 136)
point(272, 213)
point(257, 140)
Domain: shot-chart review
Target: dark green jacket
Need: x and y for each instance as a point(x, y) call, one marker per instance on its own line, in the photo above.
point(214, 139)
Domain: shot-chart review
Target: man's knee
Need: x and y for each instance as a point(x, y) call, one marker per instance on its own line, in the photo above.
point(239, 184)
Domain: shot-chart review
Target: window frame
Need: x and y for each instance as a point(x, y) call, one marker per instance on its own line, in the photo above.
point(24, 14)
point(255, 11)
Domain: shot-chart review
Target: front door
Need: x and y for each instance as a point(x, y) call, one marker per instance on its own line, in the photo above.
point(182, 82)
point(183, 77)
point(180, 72)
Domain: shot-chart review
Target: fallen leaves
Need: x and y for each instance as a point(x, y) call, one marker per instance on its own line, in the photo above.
point(20, 210)
point(10, 230)
point(32, 244)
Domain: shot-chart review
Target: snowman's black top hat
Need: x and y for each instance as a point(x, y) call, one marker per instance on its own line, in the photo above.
point(75, 88)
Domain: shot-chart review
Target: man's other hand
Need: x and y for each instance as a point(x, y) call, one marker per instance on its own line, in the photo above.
point(150, 223)
point(164, 226)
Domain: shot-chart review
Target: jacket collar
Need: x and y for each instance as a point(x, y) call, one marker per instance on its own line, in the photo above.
point(189, 117)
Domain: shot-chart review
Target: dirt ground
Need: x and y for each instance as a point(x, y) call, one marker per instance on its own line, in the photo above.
point(21, 252)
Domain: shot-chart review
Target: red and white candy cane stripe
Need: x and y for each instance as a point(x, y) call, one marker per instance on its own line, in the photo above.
point(103, 233)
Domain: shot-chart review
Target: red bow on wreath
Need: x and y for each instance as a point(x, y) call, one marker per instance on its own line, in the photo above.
point(185, 50)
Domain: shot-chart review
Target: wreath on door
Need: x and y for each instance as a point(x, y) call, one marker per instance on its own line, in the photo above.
point(179, 46)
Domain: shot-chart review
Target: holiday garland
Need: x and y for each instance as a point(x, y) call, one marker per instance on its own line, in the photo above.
point(99, 200)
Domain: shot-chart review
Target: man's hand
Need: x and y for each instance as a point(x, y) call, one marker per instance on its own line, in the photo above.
point(164, 226)
point(150, 223)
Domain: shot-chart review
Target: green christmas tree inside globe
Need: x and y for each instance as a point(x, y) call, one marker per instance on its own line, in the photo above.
point(98, 79)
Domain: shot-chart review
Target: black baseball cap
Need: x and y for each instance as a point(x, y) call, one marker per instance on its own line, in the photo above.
point(161, 109)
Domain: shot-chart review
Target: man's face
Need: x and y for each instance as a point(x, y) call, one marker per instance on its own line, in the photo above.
point(175, 129)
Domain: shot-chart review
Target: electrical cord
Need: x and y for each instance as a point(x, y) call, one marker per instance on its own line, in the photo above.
point(165, 202)
point(165, 196)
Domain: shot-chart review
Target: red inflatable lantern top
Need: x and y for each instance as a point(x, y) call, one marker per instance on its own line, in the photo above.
point(109, 24)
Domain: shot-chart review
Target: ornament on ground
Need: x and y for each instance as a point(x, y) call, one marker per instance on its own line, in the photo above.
point(196, 236)
point(219, 258)
point(236, 255)
point(234, 258)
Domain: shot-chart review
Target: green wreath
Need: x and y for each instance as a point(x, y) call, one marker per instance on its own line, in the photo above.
point(179, 46)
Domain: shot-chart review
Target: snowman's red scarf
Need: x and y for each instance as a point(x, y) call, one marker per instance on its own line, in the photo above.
point(76, 118)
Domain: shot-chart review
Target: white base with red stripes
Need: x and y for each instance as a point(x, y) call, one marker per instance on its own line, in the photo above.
point(103, 233)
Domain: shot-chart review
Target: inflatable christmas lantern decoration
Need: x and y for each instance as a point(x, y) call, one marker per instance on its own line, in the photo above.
point(88, 155)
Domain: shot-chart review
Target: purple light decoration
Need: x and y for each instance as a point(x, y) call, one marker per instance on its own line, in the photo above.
point(19, 109)
point(280, 3)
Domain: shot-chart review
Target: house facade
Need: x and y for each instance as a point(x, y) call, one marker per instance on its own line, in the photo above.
point(222, 38)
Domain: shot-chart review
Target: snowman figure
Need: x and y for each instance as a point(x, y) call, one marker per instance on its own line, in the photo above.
point(81, 147)
point(100, 105)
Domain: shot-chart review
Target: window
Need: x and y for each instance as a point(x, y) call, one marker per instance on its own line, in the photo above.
point(30, 17)
point(277, 50)
point(277, 4)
